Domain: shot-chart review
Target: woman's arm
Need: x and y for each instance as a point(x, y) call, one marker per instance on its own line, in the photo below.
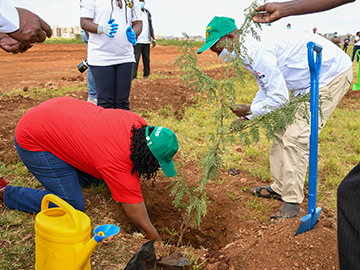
point(137, 27)
point(88, 25)
point(139, 216)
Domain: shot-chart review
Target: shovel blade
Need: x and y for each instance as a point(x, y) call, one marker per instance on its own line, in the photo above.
point(308, 222)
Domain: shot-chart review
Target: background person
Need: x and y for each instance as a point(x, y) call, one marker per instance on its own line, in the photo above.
point(68, 143)
point(113, 27)
point(92, 97)
point(272, 12)
point(335, 39)
point(346, 43)
point(142, 47)
point(356, 47)
point(279, 64)
point(20, 28)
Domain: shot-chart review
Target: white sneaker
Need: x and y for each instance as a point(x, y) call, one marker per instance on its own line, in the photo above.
point(93, 101)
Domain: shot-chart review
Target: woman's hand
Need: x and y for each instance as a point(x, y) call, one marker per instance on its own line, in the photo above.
point(139, 216)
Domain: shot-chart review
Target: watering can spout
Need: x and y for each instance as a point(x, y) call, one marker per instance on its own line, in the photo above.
point(101, 233)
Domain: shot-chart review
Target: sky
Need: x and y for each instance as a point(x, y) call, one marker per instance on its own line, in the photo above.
point(192, 16)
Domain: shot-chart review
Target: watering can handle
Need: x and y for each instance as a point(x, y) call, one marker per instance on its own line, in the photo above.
point(64, 206)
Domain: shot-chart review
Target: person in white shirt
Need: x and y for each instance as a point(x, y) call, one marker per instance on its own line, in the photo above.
point(113, 26)
point(20, 28)
point(142, 47)
point(356, 47)
point(279, 65)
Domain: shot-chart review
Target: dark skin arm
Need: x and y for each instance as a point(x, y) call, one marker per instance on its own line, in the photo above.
point(241, 110)
point(9, 44)
point(139, 216)
point(272, 12)
point(32, 29)
point(137, 27)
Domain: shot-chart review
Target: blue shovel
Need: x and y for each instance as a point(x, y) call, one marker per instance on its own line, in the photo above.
point(308, 222)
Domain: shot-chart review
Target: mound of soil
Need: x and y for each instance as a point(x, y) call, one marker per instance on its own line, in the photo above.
point(235, 233)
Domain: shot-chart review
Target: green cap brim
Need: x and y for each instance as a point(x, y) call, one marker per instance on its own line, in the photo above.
point(168, 168)
point(207, 46)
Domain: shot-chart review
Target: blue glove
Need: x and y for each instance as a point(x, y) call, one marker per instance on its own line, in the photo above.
point(131, 35)
point(108, 29)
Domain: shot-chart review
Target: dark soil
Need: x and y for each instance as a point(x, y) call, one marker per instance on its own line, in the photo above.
point(236, 231)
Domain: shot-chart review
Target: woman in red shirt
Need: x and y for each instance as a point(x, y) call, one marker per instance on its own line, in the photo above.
point(67, 143)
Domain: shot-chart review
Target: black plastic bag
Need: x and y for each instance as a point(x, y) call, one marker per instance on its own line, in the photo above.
point(144, 258)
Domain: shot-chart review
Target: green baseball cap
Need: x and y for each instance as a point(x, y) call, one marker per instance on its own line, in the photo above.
point(216, 29)
point(163, 144)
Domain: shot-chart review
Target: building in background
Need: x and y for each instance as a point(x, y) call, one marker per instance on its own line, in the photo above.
point(65, 32)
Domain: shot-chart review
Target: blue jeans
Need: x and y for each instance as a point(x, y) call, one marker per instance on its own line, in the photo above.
point(113, 84)
point(90, 79)
point(55, 175)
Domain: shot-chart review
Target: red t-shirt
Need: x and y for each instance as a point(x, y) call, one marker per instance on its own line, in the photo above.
point(93, 139)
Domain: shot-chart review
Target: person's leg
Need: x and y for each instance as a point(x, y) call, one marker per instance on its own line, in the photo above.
point(296, 139)
point(123, 85)
point(355, 53)
point(105, 78)
point(146, 59)
point(137, 52)
point(348, 211)
point(91, 85)
point(277, 162)
point(56, 176)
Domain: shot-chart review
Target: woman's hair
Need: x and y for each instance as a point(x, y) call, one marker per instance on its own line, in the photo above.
point(145, 164)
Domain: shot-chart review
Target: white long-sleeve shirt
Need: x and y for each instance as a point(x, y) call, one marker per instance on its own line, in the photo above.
point(9, 17)
point(280, 63)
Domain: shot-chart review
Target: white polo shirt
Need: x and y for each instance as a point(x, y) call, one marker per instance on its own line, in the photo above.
point(9, 17)
point(280, 63)
point(103, 50)
point(144, 37)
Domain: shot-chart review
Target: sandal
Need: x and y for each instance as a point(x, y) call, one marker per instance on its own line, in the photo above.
point(286, 211)
point(272, 194)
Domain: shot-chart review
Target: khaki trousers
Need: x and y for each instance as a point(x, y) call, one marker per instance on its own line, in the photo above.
point(289, 153)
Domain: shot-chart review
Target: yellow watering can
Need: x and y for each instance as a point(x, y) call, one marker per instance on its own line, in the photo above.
point(62, 236)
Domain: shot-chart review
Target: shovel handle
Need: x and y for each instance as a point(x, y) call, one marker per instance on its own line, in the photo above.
point(314, 124)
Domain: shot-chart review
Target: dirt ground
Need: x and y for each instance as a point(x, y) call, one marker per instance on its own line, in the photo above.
point(233, 231)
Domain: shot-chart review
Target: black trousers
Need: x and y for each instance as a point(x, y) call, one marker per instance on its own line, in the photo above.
point(356, 47)
point(348, 204)
point(143, 50)
point(113, 84)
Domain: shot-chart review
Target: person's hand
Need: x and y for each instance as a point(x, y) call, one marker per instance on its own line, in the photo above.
point(241, 110)
point(32, 29)
point(236, 124)
point(131, 35)
point(9, 44)
point(153, 43)
point(108, 29)
point(268, 13)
